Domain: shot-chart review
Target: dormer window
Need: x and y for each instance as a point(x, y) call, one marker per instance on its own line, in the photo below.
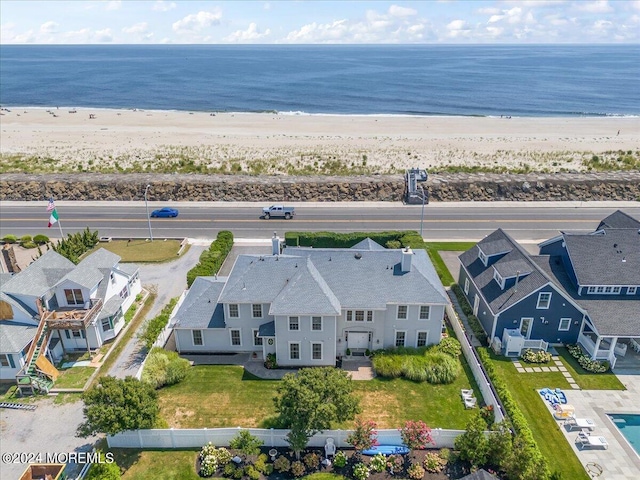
point(483, 258)
point(498, 278)
point(632, 290)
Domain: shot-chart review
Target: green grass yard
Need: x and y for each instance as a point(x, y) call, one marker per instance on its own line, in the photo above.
point(434, 247)
point(74, 377)
point(142, 251)
point(234, 397)
point(153, 464)
point(587, 380)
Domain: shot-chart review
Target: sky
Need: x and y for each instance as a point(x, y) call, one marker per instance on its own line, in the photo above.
point(319, 22)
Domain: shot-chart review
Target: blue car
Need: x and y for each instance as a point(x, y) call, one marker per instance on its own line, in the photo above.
point(165, 212)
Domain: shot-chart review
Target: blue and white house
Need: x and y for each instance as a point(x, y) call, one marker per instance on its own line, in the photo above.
point(582, 288)
point(311, 305)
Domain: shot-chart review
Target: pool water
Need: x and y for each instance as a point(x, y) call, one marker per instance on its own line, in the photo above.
point(629, 426)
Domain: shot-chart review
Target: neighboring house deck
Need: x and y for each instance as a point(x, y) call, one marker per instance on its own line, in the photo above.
point(582, 288)
point(309, 306)
point(54, 306)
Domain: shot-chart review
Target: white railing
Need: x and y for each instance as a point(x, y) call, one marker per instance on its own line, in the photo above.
point(536, 344)
point(590, 346)
point(194, 438)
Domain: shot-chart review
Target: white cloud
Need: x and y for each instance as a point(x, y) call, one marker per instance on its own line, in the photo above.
point(162, 6)
point(137, 28)
point(113, 5)
point(599, 6)
point(266, 6)
point(197, 21)
point(635, 4)
point(495, 18)
point(103, 36)
point(488, 11)
point(494, 31)
point(251, 34)
point(26, 37)
point(49, 27)
point(398, 11)
point(457, 29)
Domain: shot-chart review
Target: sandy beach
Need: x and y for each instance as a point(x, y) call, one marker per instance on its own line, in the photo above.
point(98, 140)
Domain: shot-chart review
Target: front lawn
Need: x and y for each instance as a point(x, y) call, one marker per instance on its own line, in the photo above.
point(236, 398)
point(74, 377)
point(142, 251)
point(154, 464)
point(588, 380)
point(545, 429)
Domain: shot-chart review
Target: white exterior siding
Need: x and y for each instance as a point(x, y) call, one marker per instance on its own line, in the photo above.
point(306, 336)
point(213, 340)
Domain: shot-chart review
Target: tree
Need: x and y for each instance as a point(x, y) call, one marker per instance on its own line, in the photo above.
point(364, 435)
point(472, 444)
point(298, 438)
point(416, 435)
point(116, 405)
point(316, 398)
point(246, 443)
point(500, 445)
point(104, 470)
point(525, 462)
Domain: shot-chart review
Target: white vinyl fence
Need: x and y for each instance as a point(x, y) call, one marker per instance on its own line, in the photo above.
point(195, 438)
point(474, 363)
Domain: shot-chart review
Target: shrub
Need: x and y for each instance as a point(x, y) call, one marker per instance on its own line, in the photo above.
point(261, 463)
point(443, 369)
point(415, 471)
point(104, 470)
point(238, 473)
point(208, 465)
point(268, 469)
point(29, 245)
point(251, 472)
point(282, 464)
point(445, 454)
point(417, 364)
point(360, 471)
point(395, 463)
point(152, 328)
point(212, 259)
point(9, 239)
point(76, 244)
point(408, 238)
point(270, 362)
point(389, 366)
point(177, 369)
point(229, 470)
point(434, 463)
point(311, 460)
point(378, 463)
point(539, 356)
point(40, 239)
point(593, 366)
point(451, 346)
point(393, 244)
point(164, 367)
point(416, 435)
point(340, 459)
point(246, 443)
point(26, 239)
point(476, 327)
point(297, 469)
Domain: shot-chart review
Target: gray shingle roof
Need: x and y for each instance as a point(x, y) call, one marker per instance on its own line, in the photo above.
point(17, 304)
point(91, 270)
point(200, 307)
point(368, 244)
point(40, 276)
point(495, 245)
point(511, 268)
point(14, 336)
point(619, 219)
point(612, 258)
point(611, 315)
point(267, 329)
point(517, 259)
point(128, 268)
point(110, 307)
point(480, 475)
point(306, 293)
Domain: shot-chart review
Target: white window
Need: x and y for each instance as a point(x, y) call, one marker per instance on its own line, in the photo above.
point(294, 324)
point(482, 257)
point(544, 300)
point(591, 290)
point(359, 315)
point(369, 315)
point(425, 311)
point(197, 337)
point(294, 351)
point(400, 337)
point(257, 341)
point(316, 351)
point(402, 312)
point(600, 289)
point(256, 310)
point(349, 316)
point(608, 289)
point(565, 324)
point(124, 293)
point(316, 324)
point(498, 278)
point(421, 340)
point(631, 290)
point(233, 310)
point(466, 286)
point(106, 324)
point(616, 290)
point(74, 296)
point(236, 340)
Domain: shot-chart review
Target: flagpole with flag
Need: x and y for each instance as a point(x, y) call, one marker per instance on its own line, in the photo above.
point(53, 216)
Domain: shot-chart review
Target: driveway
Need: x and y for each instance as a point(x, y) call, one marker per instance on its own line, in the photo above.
point(167, 280)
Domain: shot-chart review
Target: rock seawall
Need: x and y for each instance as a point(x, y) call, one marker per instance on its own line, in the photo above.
point(442, 187)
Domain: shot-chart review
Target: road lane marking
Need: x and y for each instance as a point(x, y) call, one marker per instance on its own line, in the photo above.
point(299, 220)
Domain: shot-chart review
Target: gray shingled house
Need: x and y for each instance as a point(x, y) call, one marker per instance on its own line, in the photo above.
point(311, 305)
point(582, 288)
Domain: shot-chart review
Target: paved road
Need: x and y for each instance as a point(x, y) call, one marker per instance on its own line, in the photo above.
point(442, 221)
point(168, 280)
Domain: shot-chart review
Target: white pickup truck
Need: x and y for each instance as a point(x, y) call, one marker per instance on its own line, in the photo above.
point(278, 211)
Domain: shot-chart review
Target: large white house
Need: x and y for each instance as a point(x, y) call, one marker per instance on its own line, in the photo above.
point(54, 306)
point(311, 305)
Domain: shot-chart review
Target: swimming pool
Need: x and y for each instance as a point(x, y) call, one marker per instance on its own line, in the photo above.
point(629, 426)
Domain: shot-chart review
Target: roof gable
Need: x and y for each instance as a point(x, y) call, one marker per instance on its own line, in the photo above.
point(619, 219)
point(368, 244)
point(40, 276)
point(200, 307)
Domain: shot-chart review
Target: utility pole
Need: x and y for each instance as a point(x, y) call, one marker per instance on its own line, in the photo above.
point(146, 204)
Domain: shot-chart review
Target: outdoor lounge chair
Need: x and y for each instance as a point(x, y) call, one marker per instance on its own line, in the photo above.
point(590, 441)
point(329, 448)
point(580, 423)
point(470, 402)
point(466, 393)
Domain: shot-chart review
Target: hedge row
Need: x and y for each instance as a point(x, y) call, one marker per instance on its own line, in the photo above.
point(212, 259)
point(514, 413)
point(152, 328)
point(407, 238)
point(474, 323)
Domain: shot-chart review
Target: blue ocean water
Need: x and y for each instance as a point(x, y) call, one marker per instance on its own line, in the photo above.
point(413, 80)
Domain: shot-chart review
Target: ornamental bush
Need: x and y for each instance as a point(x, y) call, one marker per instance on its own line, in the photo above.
point(378, 463)
point(212, 259)
point(539, 356)
point(297, 469)
point(229, 470)
point(360, 471)
point(9, 239)
point(282, 464)
point(164, 367)
point(245, 442)
point(311, 460)
point(40, 239)
point(474, 323)
point(340, 459)
point(418, 364)
point(593, 366)
point(251, 472)
point(434, 463)
point(450, 346)
point(415, 471)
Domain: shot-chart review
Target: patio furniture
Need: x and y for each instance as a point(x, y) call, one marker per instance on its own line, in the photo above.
point(329, 448)
point(272, 453)
point(563, 412)
point(590, 441)
point(466, 393)
point(580, 423)
point(470, 402)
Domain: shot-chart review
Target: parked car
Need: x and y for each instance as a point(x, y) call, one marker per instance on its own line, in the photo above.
point(165, 212)
point(278, 211)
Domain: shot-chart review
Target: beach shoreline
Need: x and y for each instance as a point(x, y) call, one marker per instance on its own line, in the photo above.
point(50, 139)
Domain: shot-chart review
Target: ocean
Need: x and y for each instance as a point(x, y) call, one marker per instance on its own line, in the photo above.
point(538, 81)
